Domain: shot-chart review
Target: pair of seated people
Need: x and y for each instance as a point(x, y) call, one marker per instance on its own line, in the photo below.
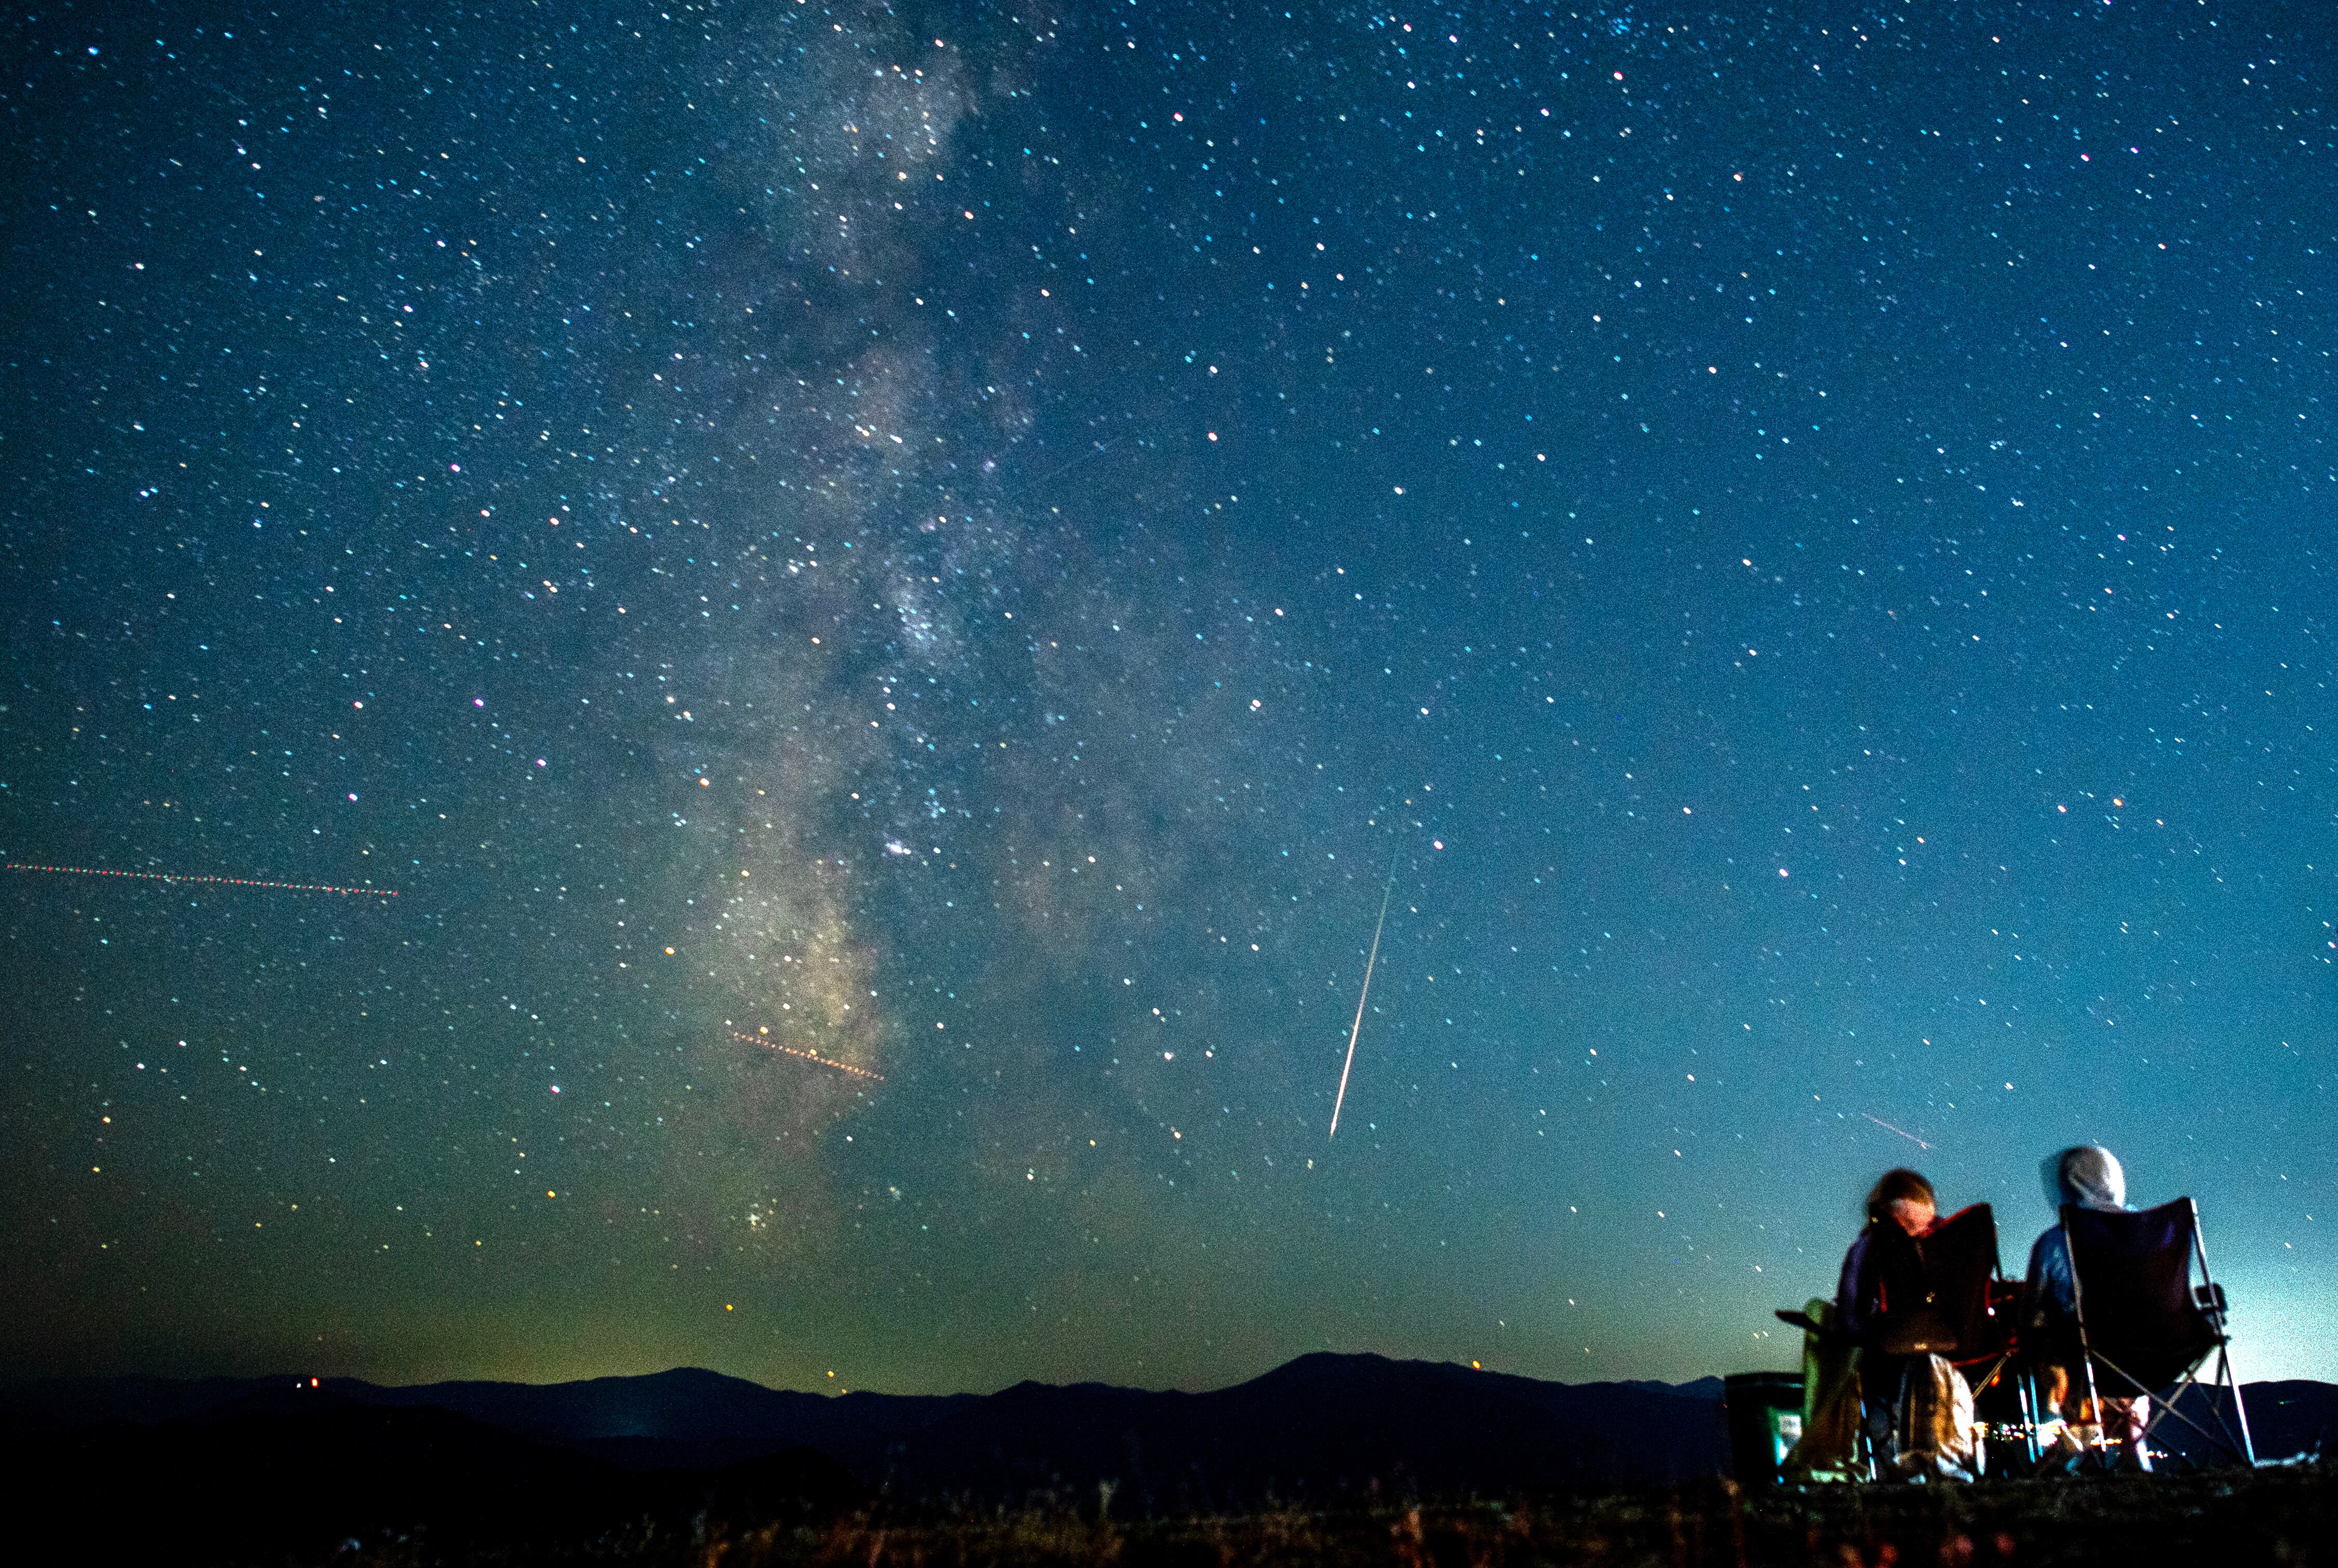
point(1902, 1385)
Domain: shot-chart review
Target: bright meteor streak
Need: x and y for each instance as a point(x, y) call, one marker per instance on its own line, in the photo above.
point(814, 1057)
point(223, 881)
point(1887, 1126)
point(1341, 1098)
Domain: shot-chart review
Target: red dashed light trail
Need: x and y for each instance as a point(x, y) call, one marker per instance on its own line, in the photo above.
point(812, 1056)
point(222, 881)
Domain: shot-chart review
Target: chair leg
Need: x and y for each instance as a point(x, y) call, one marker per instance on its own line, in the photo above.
point(2165, 1410)
point(2101, 1450)
point(2025, 1393)
point(2240, 1410)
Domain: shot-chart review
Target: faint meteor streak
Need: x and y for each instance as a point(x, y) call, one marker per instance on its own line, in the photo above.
point(1341, 1098)
point(1887, 1126)
point(814, 1057)
point(223, 881)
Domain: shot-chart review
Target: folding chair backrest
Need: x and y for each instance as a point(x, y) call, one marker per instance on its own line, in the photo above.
point(1960, 1260)
point(2135, 1303)
point(1936, 1289)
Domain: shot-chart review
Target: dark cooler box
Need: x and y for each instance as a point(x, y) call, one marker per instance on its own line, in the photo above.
point(1764, 1410)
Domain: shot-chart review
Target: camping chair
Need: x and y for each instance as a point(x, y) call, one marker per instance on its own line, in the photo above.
point(1936, 1298)
point(1939, 1295)
point(2143, 1322)
point(2003, 1399)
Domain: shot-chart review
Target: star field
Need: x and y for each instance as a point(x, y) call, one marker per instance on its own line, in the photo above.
point(885, 587)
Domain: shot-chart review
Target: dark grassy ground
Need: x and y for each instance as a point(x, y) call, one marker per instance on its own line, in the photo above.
point(2286, 1516)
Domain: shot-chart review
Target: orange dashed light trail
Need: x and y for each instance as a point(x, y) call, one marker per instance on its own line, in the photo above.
point(814, 1057)
point(222, 881)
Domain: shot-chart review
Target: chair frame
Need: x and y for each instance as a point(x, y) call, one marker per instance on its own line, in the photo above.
point(2208, 1299)
point(1863, 1468)
point(2006, 1364)
point(1995, 1361)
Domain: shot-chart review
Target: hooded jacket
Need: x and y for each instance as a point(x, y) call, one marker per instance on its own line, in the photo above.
point(2085, 1176)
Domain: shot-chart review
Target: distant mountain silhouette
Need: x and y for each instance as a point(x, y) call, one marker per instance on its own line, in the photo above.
point(2285, 1418)
point(1320, 1428)
point(223, 1470)
point(685, 1418)
point(1323, 1426)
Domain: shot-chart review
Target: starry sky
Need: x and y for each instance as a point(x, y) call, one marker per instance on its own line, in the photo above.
point(889, 588)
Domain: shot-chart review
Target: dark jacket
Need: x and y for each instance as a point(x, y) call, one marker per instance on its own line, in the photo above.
point(1883, 1272)
point(2085, 1176)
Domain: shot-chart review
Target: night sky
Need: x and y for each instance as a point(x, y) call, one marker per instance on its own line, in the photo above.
point(887, 585)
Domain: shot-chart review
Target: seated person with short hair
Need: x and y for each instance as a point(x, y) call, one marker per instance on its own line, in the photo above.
point(1918, 1407)
point(1872, 1361)
point(1902, 1198)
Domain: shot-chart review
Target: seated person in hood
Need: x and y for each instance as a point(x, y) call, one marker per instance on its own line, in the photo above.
point(2087, 1176)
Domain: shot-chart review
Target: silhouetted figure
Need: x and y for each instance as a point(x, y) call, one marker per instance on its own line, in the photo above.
point(2087, 1176)
point(1873, 1361)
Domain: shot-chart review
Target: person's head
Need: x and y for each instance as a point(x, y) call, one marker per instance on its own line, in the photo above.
point(1905, 1198)
point(2085, 1176)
